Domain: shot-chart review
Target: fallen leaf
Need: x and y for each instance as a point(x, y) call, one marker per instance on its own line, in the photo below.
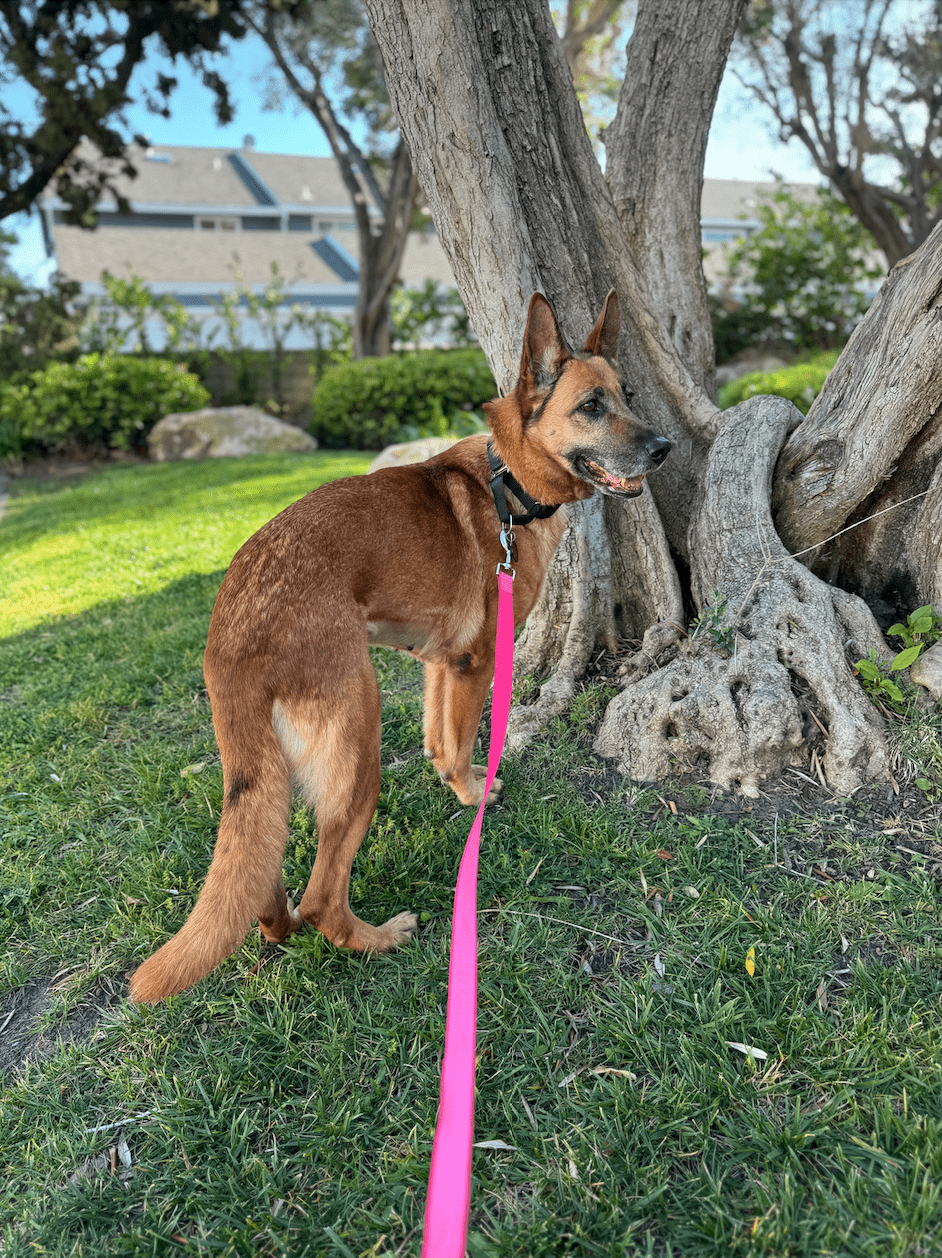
point(659, 965)
point(495, 1144)
point(751, 962)
point(692, 892)
point(758, 1053)
point(612, 1070)
point(664, 854)
point(193, 768)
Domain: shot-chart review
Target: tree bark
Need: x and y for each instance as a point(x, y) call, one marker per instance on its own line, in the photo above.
point(866, 458)
point(656, 148)
point(741, 713)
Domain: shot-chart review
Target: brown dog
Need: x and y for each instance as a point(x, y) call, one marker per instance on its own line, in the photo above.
point(402, 558)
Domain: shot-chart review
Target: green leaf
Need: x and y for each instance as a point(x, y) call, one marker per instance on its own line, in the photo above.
point(868, 670)
point(920, 621)
point(894, 692)
point(907, 657)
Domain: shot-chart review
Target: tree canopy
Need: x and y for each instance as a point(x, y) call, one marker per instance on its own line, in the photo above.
point(77, 58)
point(859, 84)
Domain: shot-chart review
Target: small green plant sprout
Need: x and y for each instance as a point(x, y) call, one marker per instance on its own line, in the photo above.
point(922, 628)
point(711, 623)
point(875, 681)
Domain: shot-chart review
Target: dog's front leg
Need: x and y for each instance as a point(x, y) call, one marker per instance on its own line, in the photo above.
point(454, 699)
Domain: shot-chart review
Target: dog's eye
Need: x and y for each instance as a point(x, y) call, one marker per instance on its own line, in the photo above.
point(591, 407)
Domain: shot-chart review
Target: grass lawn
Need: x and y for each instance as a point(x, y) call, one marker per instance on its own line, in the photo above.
point(285, 1105)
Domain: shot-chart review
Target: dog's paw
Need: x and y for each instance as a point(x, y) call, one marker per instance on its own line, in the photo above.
point(400, 929)
point(479, 776)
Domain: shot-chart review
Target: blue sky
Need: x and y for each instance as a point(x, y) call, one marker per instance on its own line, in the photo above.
point(741, 144)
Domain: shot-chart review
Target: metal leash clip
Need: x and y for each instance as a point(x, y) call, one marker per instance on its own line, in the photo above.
point(507, 541)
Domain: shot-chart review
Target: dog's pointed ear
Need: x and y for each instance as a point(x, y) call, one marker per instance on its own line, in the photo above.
point(544, 347)
point(602, 341)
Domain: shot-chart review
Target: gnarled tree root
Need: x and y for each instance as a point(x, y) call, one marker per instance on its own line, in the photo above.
point(742, 713)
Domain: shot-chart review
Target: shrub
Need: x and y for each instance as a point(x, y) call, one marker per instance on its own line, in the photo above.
point(101, 402)
point(800, 383)
point(368, 404)
point(801, 280)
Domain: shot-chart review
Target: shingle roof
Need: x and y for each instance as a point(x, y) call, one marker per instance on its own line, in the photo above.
point(180, 175)
point(731, 199)
point(160, 256)
point(198, 180)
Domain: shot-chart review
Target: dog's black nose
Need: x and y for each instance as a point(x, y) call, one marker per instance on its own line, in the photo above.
point(657, 450)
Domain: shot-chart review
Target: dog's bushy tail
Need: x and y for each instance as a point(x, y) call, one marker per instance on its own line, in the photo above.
point(244, 880)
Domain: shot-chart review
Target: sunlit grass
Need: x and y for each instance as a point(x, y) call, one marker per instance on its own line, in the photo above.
point(133, 530)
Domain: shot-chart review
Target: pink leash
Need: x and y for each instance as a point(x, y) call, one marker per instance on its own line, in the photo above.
point(449, 1184)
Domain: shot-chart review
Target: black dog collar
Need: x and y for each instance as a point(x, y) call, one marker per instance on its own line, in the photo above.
point(503, 477)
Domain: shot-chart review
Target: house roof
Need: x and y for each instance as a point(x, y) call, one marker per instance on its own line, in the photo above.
point(160, 255)
point(187, 176)
point(730, 200)
point(268, 191)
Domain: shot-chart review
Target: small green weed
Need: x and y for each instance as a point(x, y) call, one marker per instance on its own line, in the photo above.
point(875, 681)
point(922, 628)
point(711, 623)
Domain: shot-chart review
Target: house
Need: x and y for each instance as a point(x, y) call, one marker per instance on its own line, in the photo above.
point(206, 221)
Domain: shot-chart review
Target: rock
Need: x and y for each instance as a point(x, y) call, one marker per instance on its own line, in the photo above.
point(412, 452)
point(927, 671)
point(220, 432)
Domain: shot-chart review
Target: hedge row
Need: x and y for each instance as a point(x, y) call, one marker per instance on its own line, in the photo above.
point(800, 383)
point(106, 402)
point(366, 405)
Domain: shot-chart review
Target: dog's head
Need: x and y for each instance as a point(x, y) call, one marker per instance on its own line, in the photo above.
point(567, 428)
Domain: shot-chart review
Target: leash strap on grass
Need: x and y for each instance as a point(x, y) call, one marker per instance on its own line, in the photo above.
point(449, 1183)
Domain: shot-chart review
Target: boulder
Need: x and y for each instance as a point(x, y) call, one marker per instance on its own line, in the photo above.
point(220, 432)
point(412, 452)
point(927, 671)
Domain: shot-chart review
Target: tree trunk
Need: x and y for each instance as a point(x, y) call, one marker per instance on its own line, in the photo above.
point(382, 242)
point(867, 455)
point(382, 247)
point(485, 101)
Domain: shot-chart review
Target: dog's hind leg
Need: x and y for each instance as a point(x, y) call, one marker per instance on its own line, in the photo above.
point(434, 710)
point(337, 774)
point(464, 684)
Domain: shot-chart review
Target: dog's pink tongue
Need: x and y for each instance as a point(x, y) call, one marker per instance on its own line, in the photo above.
point(612, 480)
